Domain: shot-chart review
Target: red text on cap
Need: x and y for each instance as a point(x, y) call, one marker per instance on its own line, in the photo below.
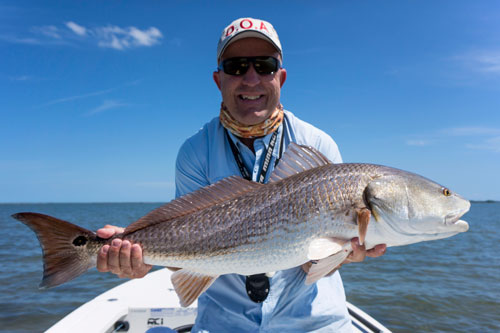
point(263, 26)
point(229, 30)
point(250, 24)
point(245, 24)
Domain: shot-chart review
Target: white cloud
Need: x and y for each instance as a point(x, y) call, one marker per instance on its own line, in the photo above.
point(485, 61)
point(20, 40)
point(471, 131)
point(486, 138)
point(104, 36)
point(106, 105)
point(489, 62)
point(419, 143)
point(124, 38)
point(470, 137)
point(77, 29)
point(491, 144)
point(147, 37)
point(48, 30)
point(75, 97)
point(91, 94)
point(21, 78)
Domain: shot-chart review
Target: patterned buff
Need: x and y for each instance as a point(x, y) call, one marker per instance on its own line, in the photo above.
point(269, 125)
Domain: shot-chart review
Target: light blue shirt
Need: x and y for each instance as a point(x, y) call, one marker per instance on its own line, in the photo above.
point(291, 306)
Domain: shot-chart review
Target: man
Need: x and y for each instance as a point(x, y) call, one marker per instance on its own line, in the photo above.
point(252, 127)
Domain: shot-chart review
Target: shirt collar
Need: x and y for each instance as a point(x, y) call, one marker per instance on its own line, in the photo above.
point(265, 140)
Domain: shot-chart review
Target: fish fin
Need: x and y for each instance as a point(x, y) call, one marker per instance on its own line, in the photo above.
point(363, 221)
point(223, 190)
point(323, 247)
point(328, 265)
point(190, 285)
point(296, 159)
point(63, 245)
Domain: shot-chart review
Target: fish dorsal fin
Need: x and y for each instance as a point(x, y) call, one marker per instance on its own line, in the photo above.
point(189, 285)
point(225, 189)
point(298, 159)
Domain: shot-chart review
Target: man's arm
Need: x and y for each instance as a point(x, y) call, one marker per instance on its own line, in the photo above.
point(126, 261)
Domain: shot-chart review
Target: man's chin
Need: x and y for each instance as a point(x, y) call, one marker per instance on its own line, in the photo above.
point(254, 117)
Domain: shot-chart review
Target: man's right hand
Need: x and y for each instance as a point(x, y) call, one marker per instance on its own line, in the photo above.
point(121, 258)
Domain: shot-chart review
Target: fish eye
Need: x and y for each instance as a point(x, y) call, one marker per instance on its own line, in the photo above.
point(446, 192)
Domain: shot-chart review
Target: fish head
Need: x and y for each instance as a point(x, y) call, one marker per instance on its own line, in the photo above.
point(414, 206)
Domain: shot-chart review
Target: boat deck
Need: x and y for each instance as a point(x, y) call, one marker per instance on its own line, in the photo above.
point(140, 304)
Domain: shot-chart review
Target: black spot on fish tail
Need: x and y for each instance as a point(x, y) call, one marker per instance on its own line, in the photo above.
point(80, 241)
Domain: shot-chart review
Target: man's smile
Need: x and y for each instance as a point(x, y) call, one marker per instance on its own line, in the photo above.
point(250, 97)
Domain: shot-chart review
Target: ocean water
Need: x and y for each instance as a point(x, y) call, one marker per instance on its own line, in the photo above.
point(450, 285)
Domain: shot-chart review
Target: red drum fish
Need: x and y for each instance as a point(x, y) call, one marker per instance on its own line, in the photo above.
point(309, 211)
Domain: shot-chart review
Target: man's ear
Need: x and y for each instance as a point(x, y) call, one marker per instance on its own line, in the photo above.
point(282, 77)
point(216, 77)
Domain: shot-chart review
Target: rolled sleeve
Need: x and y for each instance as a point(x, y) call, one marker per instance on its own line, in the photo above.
point(189, 174)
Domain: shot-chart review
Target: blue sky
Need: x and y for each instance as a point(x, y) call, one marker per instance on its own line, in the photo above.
point(97, 96)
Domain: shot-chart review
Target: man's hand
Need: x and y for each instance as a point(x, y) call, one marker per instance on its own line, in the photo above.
point(358, 254)
point(121, 258)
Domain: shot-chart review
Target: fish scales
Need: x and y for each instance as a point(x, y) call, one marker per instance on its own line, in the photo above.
point(309, 211)
point(278, 220)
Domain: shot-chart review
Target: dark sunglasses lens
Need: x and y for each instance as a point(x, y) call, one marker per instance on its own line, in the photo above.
point(239, 66)
point(235, 66)
point(257, 287)
point(267, 65)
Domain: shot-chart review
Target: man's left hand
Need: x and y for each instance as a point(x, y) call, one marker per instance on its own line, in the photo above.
point(359, 252)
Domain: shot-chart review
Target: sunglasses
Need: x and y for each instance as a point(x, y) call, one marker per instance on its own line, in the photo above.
point(240, 65)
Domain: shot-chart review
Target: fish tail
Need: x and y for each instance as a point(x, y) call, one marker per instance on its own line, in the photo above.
point(64, 246)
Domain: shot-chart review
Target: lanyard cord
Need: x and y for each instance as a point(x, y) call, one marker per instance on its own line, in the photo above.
point(257, 286)
point(265, 164)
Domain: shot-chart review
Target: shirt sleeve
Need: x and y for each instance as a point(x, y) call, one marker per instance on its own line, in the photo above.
point(329, 148)
point(189, 171)
point(304, 133)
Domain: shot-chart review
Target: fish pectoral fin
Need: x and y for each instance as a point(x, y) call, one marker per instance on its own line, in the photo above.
point(327, 265)
point(364, 215)
point(323, 247)
point(190, 285)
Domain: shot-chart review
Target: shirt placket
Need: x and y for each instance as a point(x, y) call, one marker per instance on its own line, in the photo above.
point(253, 163)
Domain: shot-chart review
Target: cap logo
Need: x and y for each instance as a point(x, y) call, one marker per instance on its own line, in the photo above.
point(245, 24)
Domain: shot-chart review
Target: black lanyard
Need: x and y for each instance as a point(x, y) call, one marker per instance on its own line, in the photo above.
point(265, 163)
point(258, 285)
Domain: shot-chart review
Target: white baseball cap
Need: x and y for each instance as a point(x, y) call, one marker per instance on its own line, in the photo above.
point(248, 27)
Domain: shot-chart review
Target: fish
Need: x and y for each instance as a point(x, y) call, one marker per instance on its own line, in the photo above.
point(308, 212)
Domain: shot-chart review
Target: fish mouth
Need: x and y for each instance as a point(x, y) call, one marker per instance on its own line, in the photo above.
point(453, 219)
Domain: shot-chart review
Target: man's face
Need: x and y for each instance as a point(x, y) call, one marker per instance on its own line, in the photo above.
point(250, 98)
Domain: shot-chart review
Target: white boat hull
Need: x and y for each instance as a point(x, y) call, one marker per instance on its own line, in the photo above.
point(138, 305)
